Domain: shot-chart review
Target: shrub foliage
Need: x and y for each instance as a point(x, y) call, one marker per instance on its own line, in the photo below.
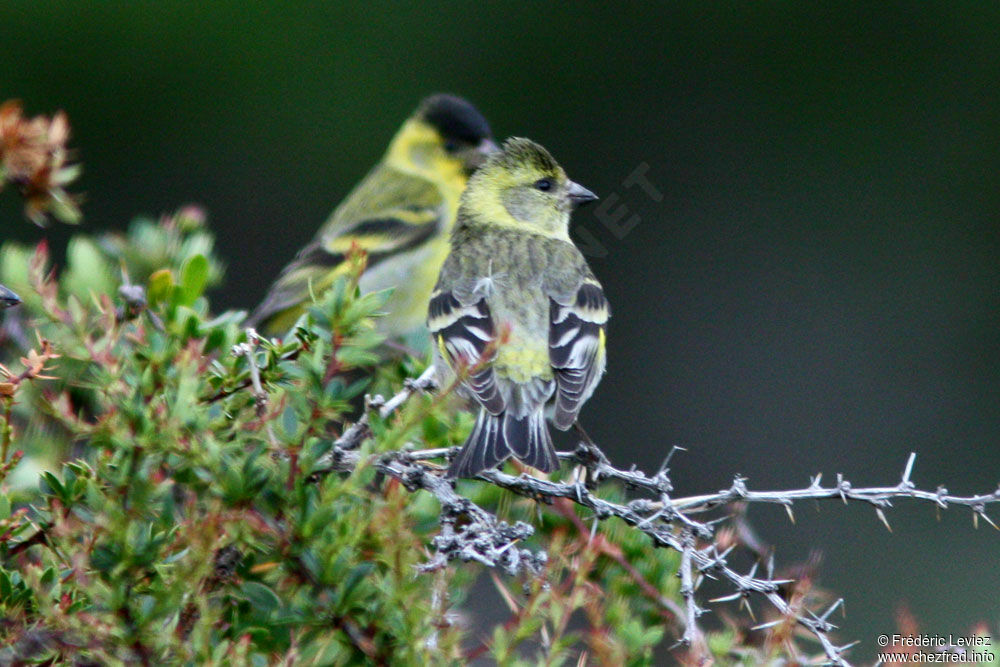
point(160, 506)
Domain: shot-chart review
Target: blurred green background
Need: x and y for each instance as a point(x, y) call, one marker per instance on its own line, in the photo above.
point(817, 289)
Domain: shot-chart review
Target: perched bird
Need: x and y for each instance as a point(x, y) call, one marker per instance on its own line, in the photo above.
point(8, 298)
point(518, 308)
point(401, 214)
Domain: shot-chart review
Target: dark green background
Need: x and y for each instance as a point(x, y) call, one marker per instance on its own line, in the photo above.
point(817, 290)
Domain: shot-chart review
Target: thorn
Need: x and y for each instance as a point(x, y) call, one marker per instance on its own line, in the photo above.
point(718, 560)
point(745, 602)
point(821, 624)
point(765, 626)
point(505, 547)
point(788, 509)
point(650, 519)
point(779, 582)
point(670, 455)
point(739, 487)
point(833, 607)
point(909, 467)
point(979, 510)
point(881, 516)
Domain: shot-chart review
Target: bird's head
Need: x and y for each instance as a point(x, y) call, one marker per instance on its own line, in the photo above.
point(522, 186)
point(445, 136)
point(8, 298)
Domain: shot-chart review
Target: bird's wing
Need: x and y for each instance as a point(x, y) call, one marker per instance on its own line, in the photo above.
point(389, 212)
point(577, 324)
point(464, 332)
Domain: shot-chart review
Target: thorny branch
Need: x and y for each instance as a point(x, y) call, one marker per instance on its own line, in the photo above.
point(246, 350)
point(692, 634)
point(668, 522)
point(356, 434)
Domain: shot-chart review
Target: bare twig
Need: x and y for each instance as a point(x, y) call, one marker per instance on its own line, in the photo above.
point(357, 433)
point(247, 350)
point(692, 638)
point(880, 497)
point(482, 536)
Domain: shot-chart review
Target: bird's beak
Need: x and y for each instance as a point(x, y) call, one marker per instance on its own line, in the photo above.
point(579, 195)
point(8, 298)
point(477, 156)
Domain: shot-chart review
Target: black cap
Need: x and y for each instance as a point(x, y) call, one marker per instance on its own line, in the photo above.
point(455, 118)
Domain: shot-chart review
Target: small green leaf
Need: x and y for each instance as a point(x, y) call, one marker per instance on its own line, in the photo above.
point(50, 484)
point(161, 283)
point(48, 577)
point(87, 268)
point(5, 586)
point(194, 277)
point(261, 597)
point(353, 578)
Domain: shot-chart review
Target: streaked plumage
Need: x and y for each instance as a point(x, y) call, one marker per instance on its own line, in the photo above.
point(517, 306)
point(401, 214)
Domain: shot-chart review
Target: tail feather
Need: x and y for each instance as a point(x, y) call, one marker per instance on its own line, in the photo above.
point(496, 438)
point(529, 440)
point(483, 449)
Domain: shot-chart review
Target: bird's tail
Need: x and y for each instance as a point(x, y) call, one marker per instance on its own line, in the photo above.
point(496, 438)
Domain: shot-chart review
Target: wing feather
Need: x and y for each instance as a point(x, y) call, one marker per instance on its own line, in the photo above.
point(463, 333)
point(576, 348)
point(388, 213)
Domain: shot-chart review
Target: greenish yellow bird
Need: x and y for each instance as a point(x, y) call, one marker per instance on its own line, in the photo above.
point(518, 310)
point(400, 214)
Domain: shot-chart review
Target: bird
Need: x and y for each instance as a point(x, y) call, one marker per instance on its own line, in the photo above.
point(517, 314)
point(8, 298)
point(400, 214)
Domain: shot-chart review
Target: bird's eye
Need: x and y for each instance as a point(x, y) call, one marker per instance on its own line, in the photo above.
point(451, 146)
point(543, 184)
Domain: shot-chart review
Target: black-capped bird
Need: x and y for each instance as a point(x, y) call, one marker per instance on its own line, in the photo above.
point(518, 309)
point(401, 214)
